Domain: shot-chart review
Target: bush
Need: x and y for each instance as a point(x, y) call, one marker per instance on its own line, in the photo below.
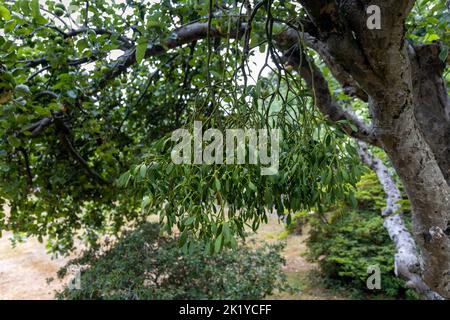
point(145, 265)
point(369, 193)
point(355, 239)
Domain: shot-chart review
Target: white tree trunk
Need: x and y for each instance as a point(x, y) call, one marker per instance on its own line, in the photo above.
point(408, 262)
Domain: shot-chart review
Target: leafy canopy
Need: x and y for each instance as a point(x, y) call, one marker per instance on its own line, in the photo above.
point(90, 93)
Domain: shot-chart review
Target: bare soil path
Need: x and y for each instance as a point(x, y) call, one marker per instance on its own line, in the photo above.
point(24, 270)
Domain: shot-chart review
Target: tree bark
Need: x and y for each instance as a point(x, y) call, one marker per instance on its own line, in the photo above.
point(409, 107)
point(428, 192)
point(432, 105)
point(405, 142)
point(396, 129)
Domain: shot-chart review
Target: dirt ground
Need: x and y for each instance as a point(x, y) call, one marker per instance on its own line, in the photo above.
point(24, 270)
point(302, 274)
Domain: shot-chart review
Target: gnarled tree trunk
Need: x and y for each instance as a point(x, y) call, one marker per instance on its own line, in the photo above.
point(409, 104)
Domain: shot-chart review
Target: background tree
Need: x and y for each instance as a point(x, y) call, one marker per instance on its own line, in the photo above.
point(91, 90)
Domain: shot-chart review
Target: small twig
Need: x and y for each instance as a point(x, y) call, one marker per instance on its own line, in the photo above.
point(86, 14)
point(37, 73)
point(62, 130)
point(27, 167)
point(143, 93)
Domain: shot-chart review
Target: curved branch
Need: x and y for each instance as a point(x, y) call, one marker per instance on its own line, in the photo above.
point(408, 263)
point(126, 42)
point(317, 83)
point(62, 130)
point(350, 86)
point(185, 35)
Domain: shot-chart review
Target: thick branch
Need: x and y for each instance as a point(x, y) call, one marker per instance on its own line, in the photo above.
point(27, 167)
point(185, 35)
point(291, 37)
point(39, 126)
point(324, 14)
point(431, 101)
point(324, 101)
point(408, 263)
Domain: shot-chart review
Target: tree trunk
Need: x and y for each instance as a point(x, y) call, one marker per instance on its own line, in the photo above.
point(408, 102)
point(408, 262)
point(427, 189)
point(432, 106)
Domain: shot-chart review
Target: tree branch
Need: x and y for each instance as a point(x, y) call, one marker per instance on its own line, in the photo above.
point(27, 167)
point(351, 88)
point(185, 35)
point(324, 101)
point(39, 126)
point(324, 14)
point(408, 263)
point(126, 42)
point(62, 130)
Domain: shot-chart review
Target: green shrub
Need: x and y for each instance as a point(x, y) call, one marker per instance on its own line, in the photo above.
point(145, 265)
point(297, 222)
point(354, 239)
point(369, 193)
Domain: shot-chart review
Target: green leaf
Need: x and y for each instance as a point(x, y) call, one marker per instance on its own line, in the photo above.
point(218, 243)
point(9, 26)
point(35, 10)
point(189, 221)
point(143, 171)
point(262, 48)
point(123, 179)
point(82, 44)
point(140, 51)
point(41, 20)
point(145, 201)
point(15, 142)
point(432, 37)
point(169, 168)
point(444, 54)
point(183, 238)
point(25, 6)
point(327, 175)
point(233, 242)
point(4, 13)
point(350, 149)
point(36, 13)
point(288, 219)
point(353, 201)
point(217, 184)
point(226, 232)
